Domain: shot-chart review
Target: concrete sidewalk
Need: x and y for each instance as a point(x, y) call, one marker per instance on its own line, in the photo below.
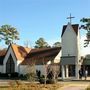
point(74, 85)
point(73, 88)
point(74, 79)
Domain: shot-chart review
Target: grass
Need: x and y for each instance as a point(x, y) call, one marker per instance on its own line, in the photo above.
point(18, 85)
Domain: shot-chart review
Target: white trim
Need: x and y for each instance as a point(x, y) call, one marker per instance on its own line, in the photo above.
point(10, 52)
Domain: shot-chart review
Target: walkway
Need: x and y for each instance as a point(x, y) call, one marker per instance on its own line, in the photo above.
point(74, 85)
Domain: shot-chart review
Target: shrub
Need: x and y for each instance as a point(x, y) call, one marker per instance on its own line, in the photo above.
point(4, 75)
point(48, 80)
point(22, 77)
point(31, 76)
point(13, 75)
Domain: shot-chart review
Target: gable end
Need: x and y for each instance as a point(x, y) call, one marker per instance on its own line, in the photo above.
point(74, 26)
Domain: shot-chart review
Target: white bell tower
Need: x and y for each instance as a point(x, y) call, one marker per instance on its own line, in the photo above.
point(70, 40)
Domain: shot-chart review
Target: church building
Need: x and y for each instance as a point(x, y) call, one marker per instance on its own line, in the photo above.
point(18, 59)
point(70, 58)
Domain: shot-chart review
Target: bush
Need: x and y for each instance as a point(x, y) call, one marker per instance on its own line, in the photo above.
point(13, 75)
point(4, 76)
point(48, 80)
point(31, 76)
point(8, 76)
point(42, 79)
point(22, 77)
point(51, 81)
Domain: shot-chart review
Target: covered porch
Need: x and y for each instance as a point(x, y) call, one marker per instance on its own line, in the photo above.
point(69, 68)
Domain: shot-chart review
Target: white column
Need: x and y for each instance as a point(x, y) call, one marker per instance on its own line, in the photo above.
point(63, 72)
point(77, 71)
point(66, 67)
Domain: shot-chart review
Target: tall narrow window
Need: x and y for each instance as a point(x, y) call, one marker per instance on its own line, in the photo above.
point(10, 65)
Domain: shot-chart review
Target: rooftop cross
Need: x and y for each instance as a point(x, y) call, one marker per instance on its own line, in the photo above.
point(70, 17)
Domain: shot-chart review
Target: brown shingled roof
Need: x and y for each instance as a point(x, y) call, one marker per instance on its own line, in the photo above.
point(2, 55)
point(42, 50)
point(27, 54)
point(38, 55)
point(3, 52)
point(20, 51)
point(74, 26)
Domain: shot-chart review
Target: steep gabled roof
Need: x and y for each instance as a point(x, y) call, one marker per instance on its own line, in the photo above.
point(37, 55)
point(20, 51)
point(26, 55)
point(40, 51)
point(74, 26)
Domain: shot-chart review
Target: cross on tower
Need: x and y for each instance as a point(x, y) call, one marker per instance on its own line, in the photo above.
point(70, 17)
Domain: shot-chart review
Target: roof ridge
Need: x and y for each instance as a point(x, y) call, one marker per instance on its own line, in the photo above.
point(20, 51)
point(21, 46)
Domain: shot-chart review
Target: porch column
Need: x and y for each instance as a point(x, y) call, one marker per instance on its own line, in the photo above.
point(66, 67)
point(77, 71)
point(63, 72)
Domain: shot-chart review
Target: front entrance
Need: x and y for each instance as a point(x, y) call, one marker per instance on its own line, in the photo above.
point(71, 70)
point(10, 65)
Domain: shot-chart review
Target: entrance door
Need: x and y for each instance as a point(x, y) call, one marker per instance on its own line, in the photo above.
point(71, 70)
point(10, 65)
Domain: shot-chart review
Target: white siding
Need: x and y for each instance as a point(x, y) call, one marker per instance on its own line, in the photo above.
point(69, 42)
point(57, 58)
point(1, 68)
point(23, 69)
point(78, 46)
point(10, 51)
point(41, 68)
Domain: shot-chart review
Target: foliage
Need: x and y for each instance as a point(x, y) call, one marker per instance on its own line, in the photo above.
point(42, 79)
point(53, 72)
point(31, 76)
point(8, 34)
point(31, 71)
point(86, 22)
point(41, 43)
point(57, 44)
point(51, 76)
point(22, 77)
point(38, 73)
point(86, 26)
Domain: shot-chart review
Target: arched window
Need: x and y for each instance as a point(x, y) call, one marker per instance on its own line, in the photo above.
point(10, 65)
